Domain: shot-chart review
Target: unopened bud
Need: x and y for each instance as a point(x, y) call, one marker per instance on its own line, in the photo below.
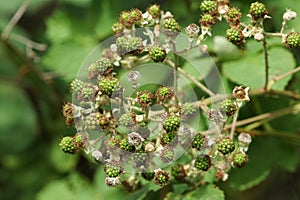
point(288, 15)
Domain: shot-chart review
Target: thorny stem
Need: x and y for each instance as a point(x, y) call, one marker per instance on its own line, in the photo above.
point(192, 78)
point(275, 79)
point(269, 116)
point(265, 46)
point(235, 117)
point(175, 75)
point(266, 116)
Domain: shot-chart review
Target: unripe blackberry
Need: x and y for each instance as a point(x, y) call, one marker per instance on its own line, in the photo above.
point(68, 112)
point(92, 121)
point(108, 85)
point(208, 6)
point(233, 16)
point(239, 159)
point(117, 28)
point(166, 138)
point(226, 146)
point(71, 145)
point(76, 86)
point(103, 66)
point(171, 27)
point(112, 170)
point(161, 177)
point(167, 155)
point(126, 146)
point(154, 11)
point(88, 91)
point(198, 141)
point(127, 119)
point(188, 111)
point(178, 172)
point(145, 98)
point(171, 123)
point(258, 10)
point(164, 94)
point(135, 15)
point(292, 40)
point(207, 20)
point(157, 54)
point(139, 158)
point(128, 18)
point(132, 45)
point(228, 107)
point(148, 175)
point(235, 36)
point(202, 162)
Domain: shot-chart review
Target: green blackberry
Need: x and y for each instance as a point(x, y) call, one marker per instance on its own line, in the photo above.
point(127, 119)
point(208, 6)
point(103, 66)
point(207, 20)
point(188, 111)
point(292, 40)
point(164, 94)
point(129, 45)
point(77, 86)
point(198, 141)
point(171, 27)
point(157, 54)
point(71, 145)
point(202, 162)
point(258, 10)
point(126, 146)
point(161, 177)
point(171, 123)
point(145, 98)
point(239, 159)
point(108, 85)
point(167, 138)
point(228, 107)
point(235, 36)
point(154, 10)
point(226, 146)
point(112, 170)
point(117, 28)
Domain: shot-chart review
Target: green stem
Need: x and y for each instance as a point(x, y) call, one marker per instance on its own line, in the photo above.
point(266, 62)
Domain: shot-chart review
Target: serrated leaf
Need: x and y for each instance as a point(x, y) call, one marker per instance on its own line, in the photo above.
point(250, 69)
point(207, 192)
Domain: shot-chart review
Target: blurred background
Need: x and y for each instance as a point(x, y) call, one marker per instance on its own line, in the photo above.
point(34, 84)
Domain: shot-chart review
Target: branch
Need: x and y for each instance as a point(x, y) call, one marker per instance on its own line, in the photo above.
point(14, 20)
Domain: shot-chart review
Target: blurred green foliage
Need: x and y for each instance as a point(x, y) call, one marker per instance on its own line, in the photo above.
point(31, 95)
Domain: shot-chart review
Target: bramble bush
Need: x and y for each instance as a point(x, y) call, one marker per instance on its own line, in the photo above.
point(171, 109)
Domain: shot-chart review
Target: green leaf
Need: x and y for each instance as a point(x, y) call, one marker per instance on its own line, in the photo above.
point(61, 161)
point(73, 187)
point(250, 69)
point(225, 50)
point(17, 120)
point(207, 192)
point(65, 59)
